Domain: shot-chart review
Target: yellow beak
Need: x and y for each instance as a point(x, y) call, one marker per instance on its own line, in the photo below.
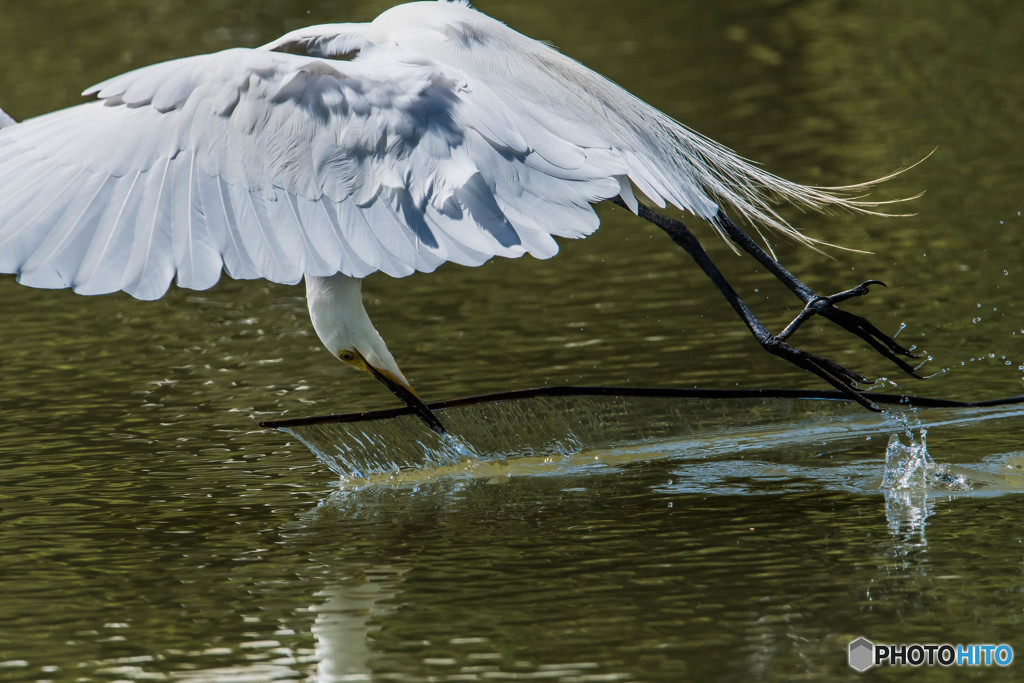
point(401, 388)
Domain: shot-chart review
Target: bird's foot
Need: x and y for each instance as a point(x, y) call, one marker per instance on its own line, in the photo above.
point(841, 377)
point(835, 374)
point(825, 306)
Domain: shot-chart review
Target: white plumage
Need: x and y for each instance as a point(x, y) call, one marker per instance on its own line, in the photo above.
point(441, 136)
point(432, 134)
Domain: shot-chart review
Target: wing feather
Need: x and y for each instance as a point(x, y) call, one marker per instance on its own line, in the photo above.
point(149, 268)
point(54, 263)
point(363, 239)
point(350, 262)
point(19, 217)
point(196, 253)
point(433, 134)
point(277, 165)
point(220, 216)
point(102, 269)
point(271, 259)
point(458, 250)
point(320, 242)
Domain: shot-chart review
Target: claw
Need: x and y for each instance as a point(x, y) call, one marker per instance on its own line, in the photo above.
point(838, 376)
point(859, 290)
point(842, 378)
point(854, 324)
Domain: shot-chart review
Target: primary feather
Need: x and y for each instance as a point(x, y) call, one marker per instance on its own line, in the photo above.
point(432, 134)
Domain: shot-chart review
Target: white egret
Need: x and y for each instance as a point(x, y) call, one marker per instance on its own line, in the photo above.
point(433, 133)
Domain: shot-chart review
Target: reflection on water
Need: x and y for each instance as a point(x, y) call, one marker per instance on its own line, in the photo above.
point(751, 459)
point(908, 471)
point(722, 447)
point(757, 530)
point(907, 511)
point(911, 481)
point(658, 538)
point(348, 612)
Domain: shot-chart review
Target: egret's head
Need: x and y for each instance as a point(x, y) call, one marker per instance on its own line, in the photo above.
point(376, 361)
point(340, 320)
point(384, 369)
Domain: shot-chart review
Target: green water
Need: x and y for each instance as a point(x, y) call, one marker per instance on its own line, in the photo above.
point(149, 529)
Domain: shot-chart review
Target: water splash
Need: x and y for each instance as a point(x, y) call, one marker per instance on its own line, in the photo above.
point(907, 465)
point(905, 482)
point(575, 435)
point(911, 481)
point(910, 465)
point(355, 452)
point(388, 450)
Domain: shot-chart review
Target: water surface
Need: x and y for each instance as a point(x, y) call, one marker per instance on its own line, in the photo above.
point(150, 529)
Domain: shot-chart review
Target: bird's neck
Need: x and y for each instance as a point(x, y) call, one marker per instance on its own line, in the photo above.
point(340, 320)
point(337, 311)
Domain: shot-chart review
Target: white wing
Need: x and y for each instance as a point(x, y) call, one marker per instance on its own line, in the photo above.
point(449, 137)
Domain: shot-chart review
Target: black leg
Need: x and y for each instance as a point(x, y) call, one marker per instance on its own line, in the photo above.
point(822, 305)
point(838, 376)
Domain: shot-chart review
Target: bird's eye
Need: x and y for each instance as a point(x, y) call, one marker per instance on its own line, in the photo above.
point(346, 356)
